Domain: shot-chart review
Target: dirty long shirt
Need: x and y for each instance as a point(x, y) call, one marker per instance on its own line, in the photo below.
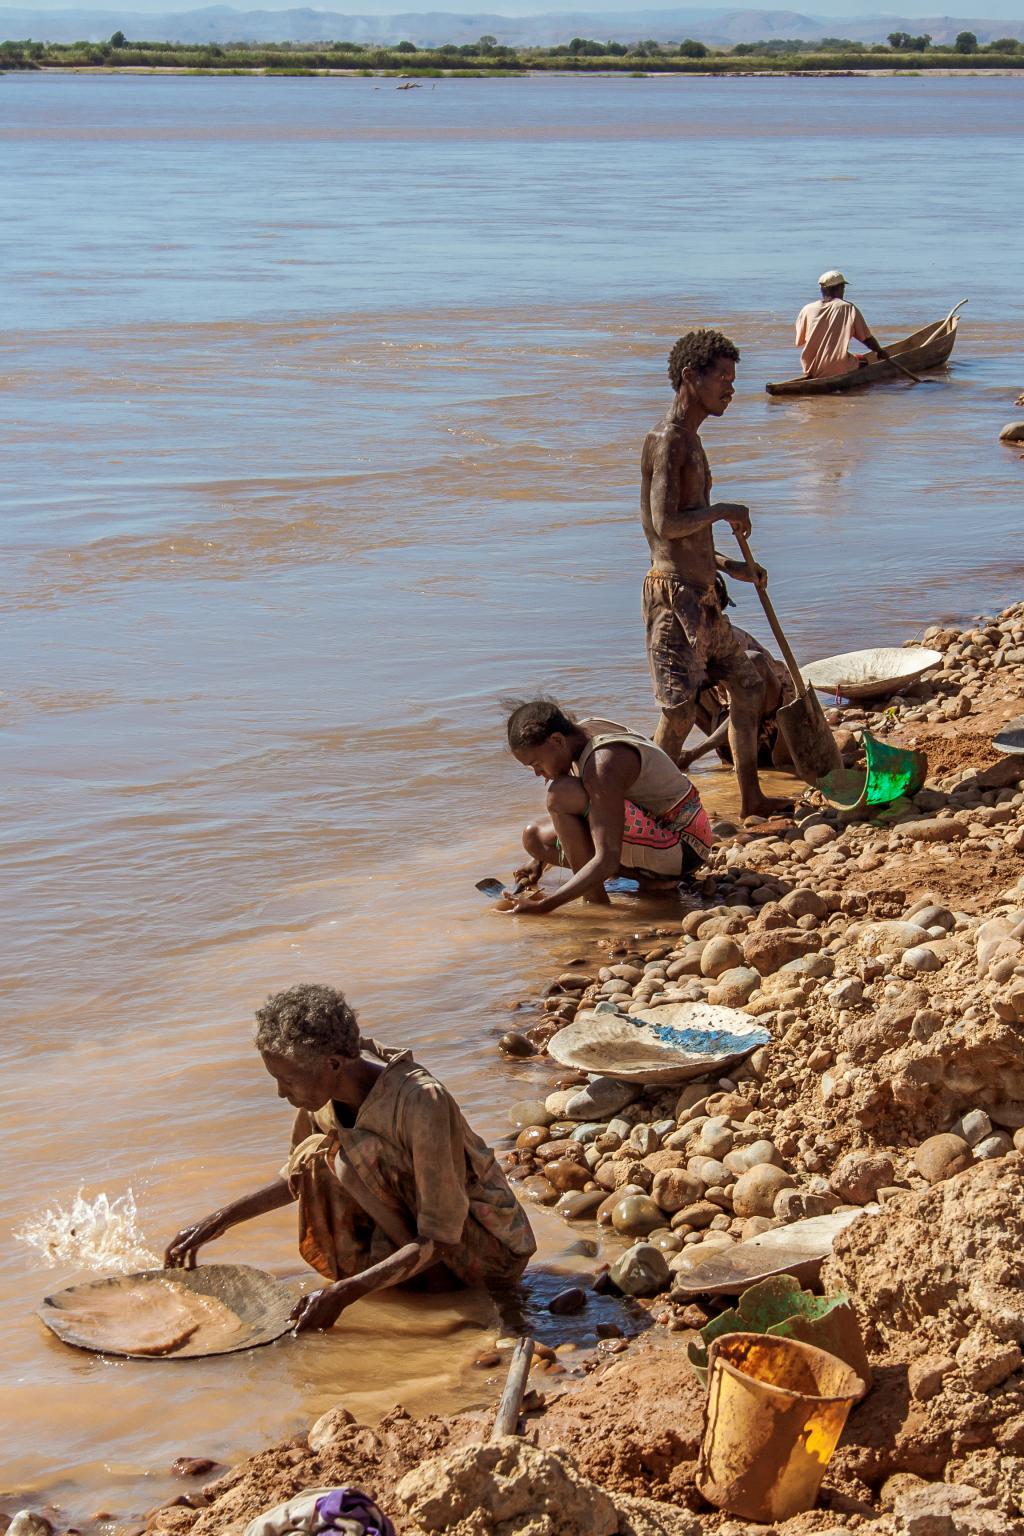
point(824, 330)
point(411, 1147)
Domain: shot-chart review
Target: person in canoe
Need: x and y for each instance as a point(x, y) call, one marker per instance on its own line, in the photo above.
point(825, 328)
point(390, 1180)
point(713, 705)
point(690, 642)
point(616, 804)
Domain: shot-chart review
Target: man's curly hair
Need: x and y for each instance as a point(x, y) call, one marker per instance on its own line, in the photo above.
point(307, 1022)
point(699, 350)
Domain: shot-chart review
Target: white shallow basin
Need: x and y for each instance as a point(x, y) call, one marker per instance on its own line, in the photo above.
point(1011, 737)
point(670, 1043)
point(871, 674)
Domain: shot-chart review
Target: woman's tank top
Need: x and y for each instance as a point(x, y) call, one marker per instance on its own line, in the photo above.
point(659, 786)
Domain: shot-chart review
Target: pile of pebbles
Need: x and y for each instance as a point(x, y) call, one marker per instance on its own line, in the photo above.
point(990, 652)
point(885, 955)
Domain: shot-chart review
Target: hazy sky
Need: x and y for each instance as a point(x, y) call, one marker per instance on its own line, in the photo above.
point(1007, 9)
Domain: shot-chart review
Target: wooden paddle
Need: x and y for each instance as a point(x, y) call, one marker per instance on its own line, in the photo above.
point(913, 377)
point(802, 723)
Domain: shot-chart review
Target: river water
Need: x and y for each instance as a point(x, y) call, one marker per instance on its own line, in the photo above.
point(323, 406)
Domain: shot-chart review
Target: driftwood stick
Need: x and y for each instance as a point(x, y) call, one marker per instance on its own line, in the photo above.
point(506, 1420)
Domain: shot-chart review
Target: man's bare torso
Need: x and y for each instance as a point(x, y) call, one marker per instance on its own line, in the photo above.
point(675, 476)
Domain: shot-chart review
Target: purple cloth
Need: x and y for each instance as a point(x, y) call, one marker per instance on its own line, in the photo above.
point(350, 1504)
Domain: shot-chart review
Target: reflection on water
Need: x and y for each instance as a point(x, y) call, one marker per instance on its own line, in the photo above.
point(322, 433)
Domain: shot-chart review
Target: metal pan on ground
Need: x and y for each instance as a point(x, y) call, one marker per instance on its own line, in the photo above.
point(1011, 738)
point(873, 674)
point(90, 1316)
point(799, 1250)
point(671, 1043)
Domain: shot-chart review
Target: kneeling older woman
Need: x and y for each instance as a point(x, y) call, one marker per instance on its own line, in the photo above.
point(615, 802)
point(390, 1180)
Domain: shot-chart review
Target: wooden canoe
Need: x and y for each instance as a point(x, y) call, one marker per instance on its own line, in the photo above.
point(927, 348)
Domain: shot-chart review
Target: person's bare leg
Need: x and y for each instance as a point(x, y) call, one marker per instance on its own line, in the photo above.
point(541, 844)
point(673, 728)
point(567, 801)
point(744, 719)
point(711, 743)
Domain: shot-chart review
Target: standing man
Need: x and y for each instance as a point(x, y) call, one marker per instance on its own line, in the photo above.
point(825, 328)
point(690, 642)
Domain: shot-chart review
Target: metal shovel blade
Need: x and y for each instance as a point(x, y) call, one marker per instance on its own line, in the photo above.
point(806, 733)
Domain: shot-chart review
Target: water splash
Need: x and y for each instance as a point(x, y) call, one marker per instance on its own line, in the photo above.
point(100, 1234)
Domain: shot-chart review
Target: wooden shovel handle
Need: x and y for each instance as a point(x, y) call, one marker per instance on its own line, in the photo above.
point(506, 1419)
point(766, 604)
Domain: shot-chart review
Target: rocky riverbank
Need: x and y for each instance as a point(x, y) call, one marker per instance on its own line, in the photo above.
point(884, 955)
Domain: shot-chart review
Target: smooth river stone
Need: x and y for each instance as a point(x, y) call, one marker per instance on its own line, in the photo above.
point(600, 1099)
point(566, 1175)
point(756, 1190)
point(514, 1044)
point(715, 1138)
point(974, 1126)
point(709, 1170)
point(637, 1215)
point(529, 1112)
point(608, 1204)
point(532, 1137)
point(735, 986)
point(674, 1187)
point(578, 1205)
point(745, 1158)
point(940, 1157)
point(641, 1271)
point(539, 1189)
point(588, 1132)
point(719, 955)
point(572, 1299)
point(563, 1147)
point(557, 1101)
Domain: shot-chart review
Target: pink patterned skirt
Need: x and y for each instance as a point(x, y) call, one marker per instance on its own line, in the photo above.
point(670, 844)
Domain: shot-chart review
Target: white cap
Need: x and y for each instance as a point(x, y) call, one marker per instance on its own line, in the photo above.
point(830, 279)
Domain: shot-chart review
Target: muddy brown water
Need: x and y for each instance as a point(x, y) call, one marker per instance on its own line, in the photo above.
point(323, 410)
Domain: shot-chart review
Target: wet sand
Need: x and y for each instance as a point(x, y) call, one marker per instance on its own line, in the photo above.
point(290, 499)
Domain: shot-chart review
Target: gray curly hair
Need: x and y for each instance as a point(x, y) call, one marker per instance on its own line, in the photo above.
point(306, 1023)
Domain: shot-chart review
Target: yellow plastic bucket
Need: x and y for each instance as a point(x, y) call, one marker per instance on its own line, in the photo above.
point(775, 1411)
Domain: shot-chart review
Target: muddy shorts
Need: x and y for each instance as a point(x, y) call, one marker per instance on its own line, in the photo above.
point(690, 642)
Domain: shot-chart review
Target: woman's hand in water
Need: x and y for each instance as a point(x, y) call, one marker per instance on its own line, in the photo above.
point(524, 905)
point(321, 1309)
point(181, 1250)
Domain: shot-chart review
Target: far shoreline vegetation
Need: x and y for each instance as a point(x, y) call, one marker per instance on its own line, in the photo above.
point(902, 52)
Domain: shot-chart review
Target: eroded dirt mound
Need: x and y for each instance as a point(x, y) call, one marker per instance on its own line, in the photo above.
point(636, 1426)
point(946, 1261)
point(505, 1488)
point(938, 1285)
point(374, 1459)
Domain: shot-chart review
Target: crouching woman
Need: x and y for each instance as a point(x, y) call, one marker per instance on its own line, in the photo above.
point(390, 1180)
point(616, 803)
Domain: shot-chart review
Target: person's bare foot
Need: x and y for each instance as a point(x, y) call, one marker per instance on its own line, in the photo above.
point(597, 898)
point(765, 806)
point(654, 885)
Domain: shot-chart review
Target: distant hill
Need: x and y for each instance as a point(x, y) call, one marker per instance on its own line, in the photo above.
point(222, 24)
